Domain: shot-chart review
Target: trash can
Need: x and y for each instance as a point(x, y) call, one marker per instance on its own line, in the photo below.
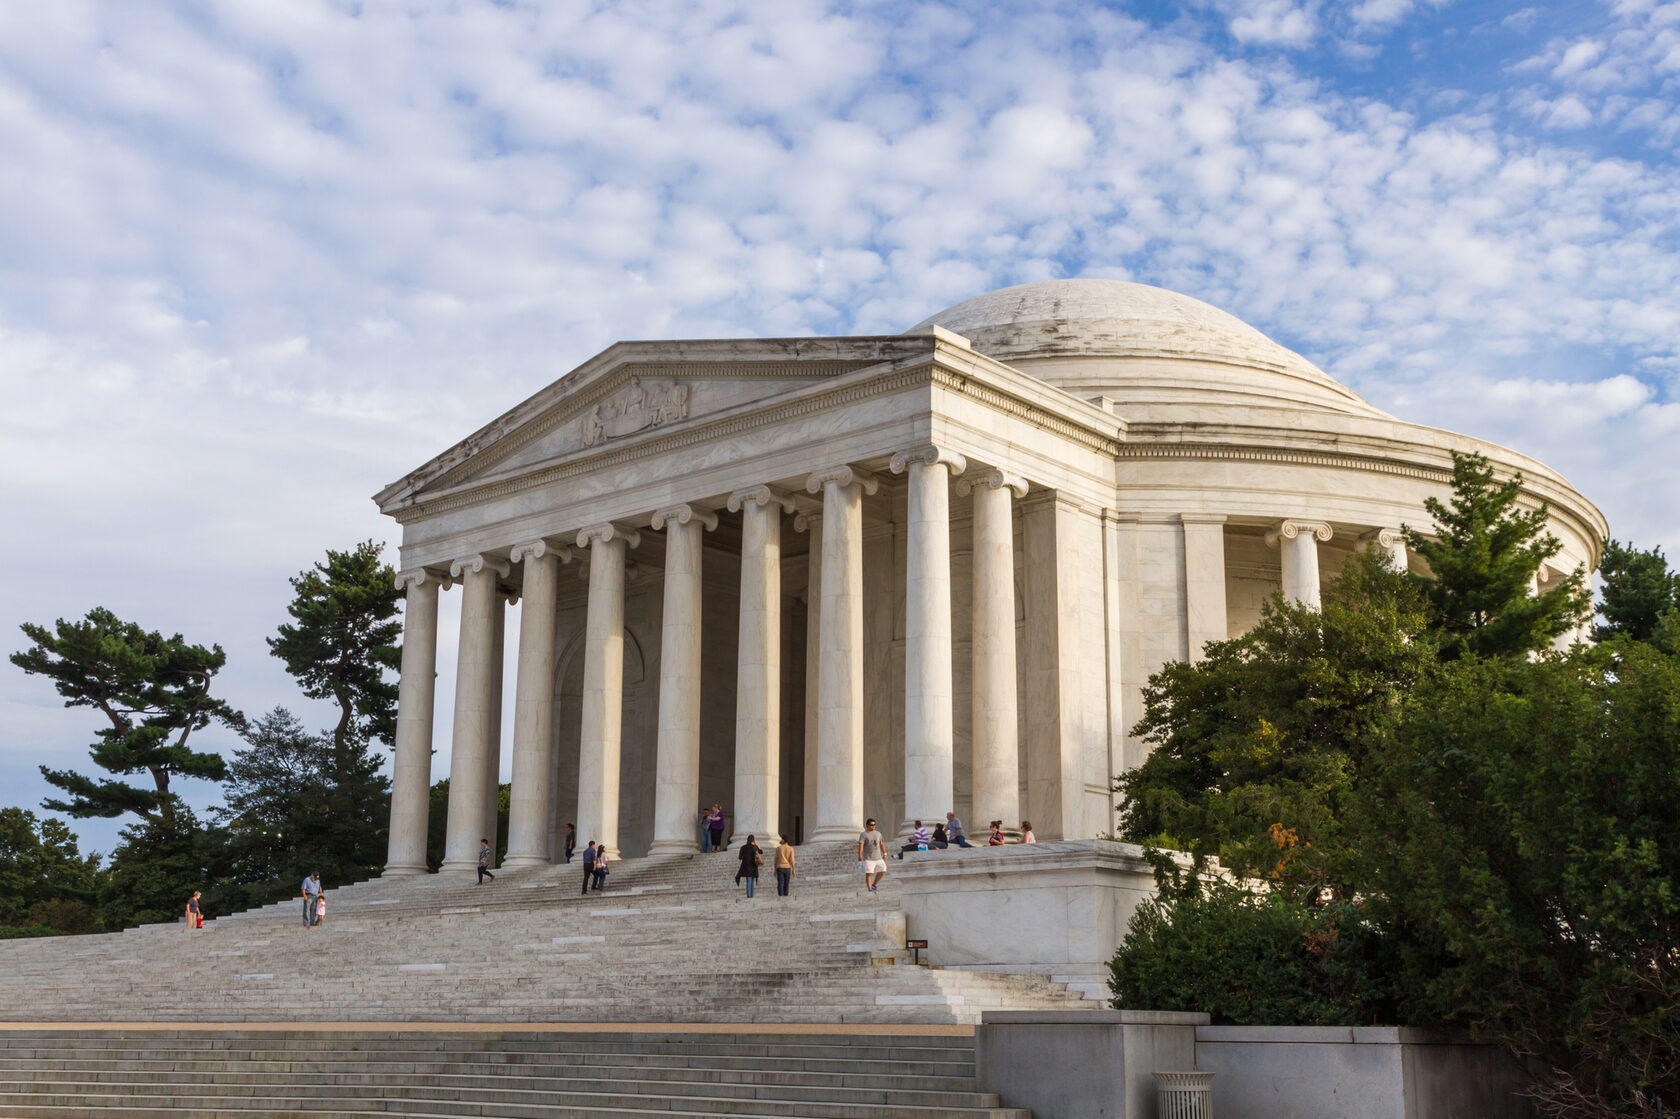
point(1184, 1095)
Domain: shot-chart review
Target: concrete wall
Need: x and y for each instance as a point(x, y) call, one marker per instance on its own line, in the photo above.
point(1048, 909)
point(1376, 1072)
point(1082, 1064)
point(1100, 1065)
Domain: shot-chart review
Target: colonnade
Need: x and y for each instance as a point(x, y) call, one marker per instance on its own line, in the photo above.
point(835, 733)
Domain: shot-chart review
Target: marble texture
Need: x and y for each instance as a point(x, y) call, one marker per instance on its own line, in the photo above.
point(530, 809)
point(476, 704)
point(603, 688)
point(758, 667)
point(840, 650)
point(929, 785)
point(995, 788)
point(677, 777)
point(411, 767)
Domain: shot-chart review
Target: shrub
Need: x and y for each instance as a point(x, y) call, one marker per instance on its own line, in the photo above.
point(1253, 960)
point(26, 932)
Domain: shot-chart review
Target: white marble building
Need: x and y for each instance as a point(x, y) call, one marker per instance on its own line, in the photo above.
point(820, 579)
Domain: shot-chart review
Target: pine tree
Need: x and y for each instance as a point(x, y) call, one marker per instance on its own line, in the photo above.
point(1483, 557)
point(155, 693)
point(342, 643)
point(1639, 590)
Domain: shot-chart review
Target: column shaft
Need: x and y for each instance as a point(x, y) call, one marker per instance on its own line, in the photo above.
point(475, 679)
point(599, 742)
point(677, 768)
point(530, 810)
point(839, 717)
point(1204, 581)
point(928, 688)
point(996, 763)
point(758, 679)
point(493, 749)
point(812, 525)
point(411, 768)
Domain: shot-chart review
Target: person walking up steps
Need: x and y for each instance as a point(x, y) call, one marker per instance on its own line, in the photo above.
point(588, 866)
point(484, 857)
point(872, 855)
point(752, 857)
point(311, 894)
point(784, 868)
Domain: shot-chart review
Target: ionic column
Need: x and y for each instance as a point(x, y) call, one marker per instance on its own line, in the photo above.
point(493, 752)
point(758, 667)
point(928, 688)
point(811, 525)
point(676, 796)
point(1299, 543)
point(1392, 541)
point(1205, 616)
point(411, 768)
point(475, 699)
point(839, 799)
point(603, 686)
point(530, 811)
point(996, 751)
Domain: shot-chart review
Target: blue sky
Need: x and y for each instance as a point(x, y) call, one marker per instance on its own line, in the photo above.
point(258, 260)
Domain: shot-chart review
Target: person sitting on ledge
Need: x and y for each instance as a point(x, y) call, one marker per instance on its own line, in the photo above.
point(954, 831)
point(997, 838)
point(940, 840)
point(919, 840)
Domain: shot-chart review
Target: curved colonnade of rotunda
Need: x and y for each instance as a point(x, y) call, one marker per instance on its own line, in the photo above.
point(823, 579)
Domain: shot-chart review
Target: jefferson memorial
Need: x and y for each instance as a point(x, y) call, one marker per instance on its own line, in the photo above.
point(823, 579)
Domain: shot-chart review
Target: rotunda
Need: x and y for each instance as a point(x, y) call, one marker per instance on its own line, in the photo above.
point(822, 579)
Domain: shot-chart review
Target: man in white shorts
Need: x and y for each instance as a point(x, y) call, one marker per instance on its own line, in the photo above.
point(872, 854)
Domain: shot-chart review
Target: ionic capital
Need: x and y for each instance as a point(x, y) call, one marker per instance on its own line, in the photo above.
point(477, 563)
point(805, 522)
point(760, 495)
point(683, 514)
point(842, 476)
point(606, 534)
point(928, 455)
point(1289, 530)
point(992, 480)
point(420, 576)
point(1385, 537)
point(537, 549)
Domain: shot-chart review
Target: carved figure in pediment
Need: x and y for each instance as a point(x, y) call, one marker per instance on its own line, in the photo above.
point(636, 406)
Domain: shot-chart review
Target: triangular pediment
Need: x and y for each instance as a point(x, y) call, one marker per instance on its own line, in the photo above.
point(639, 390)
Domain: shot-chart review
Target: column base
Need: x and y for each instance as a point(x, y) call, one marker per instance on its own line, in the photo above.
point(404, 870)
point(835, 833)
point(515, 862)
point(458, 867)
point(675, 847)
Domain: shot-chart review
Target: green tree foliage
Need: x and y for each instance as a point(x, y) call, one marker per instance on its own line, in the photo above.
point(1253, 959)
point(1483, 559)
point(1641, 595)
point(344, 639)
point(44, 879)
point(1522, 830)
point(154, 692)
point(297, 802)
point(1260, 741)
point(157, 865)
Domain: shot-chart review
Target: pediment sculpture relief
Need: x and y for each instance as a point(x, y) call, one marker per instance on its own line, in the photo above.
point(636, 406)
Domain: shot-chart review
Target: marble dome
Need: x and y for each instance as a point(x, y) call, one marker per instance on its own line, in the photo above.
point(1138, 343)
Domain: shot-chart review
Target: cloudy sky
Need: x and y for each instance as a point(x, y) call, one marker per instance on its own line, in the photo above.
point(257, 260)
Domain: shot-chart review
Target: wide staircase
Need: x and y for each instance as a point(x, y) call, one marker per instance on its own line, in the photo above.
point(172, 1074)
point(671, 940)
